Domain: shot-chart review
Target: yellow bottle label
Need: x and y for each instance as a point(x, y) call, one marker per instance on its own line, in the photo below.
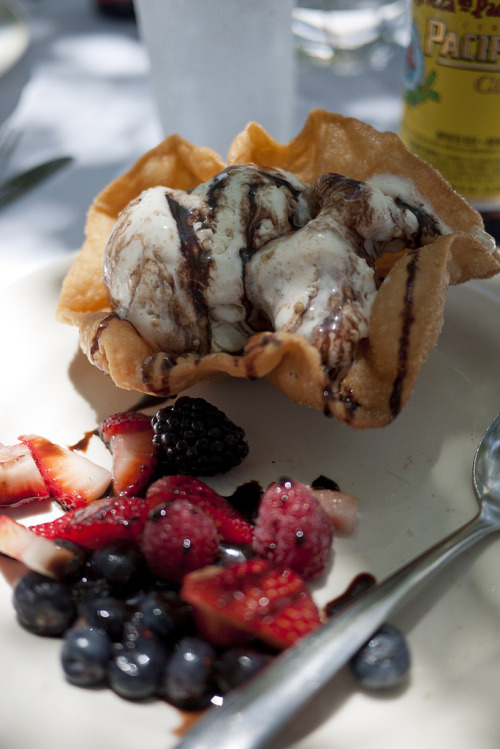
point(451, 112)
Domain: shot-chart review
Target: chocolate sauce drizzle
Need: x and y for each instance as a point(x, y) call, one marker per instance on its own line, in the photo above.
point(155, 373)
point(196, 259)
point(102, 326)
point(280, 181)
point(404, 339)
point(428, 228)
point(361, 583)
point(216, 187)
point(253, 211)
point(347, 399)
point(248, 250)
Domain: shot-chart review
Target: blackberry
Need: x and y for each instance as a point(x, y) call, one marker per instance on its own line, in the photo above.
point(195, 438)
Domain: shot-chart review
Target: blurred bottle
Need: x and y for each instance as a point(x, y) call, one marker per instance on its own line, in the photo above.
point(116, 8)
point(451, 114)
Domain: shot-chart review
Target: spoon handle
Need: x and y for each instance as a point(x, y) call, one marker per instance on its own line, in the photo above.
point(252, 715)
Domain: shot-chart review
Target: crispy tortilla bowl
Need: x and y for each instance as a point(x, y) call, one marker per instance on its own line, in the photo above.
point(408, 311)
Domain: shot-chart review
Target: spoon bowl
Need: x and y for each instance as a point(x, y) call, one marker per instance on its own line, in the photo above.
point(252, 716)
point(486, 472)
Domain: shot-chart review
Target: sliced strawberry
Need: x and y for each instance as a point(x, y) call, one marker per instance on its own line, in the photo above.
point(129, 437)
point(252, 598)
point(72, 479)
point(230, 525)
point(20, 479)
point(37, 553)
point(105, 520)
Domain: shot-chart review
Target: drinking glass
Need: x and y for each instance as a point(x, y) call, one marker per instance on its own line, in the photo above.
point(218, 64)
point(350, 35)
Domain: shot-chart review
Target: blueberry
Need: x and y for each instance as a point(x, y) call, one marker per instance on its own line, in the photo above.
point(44, 606)
point(188, 679)
point(232, 553)
point(107, 614)
point(75, 569)
point(166, 615)
point(134, 629)
point(87, 589)
point(236, 665)
point(384, 661)
point(121, 564)
point(136, 667)
point(85, 655)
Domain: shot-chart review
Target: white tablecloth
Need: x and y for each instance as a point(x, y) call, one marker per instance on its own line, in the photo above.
point(82, 90)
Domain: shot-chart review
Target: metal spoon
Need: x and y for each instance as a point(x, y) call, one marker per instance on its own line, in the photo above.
point(254, 714)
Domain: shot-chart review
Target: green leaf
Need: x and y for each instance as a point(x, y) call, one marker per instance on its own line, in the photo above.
point(431, 78)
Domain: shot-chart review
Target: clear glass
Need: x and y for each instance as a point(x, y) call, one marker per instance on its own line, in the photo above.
point(351, 35)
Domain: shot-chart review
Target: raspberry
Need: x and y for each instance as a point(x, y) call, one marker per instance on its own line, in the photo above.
point(231, 526)
point(195, 438)
point(178, 537)
point(293, 529)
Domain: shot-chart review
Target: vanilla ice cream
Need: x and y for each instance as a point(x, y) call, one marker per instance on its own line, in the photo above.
point(254, 249)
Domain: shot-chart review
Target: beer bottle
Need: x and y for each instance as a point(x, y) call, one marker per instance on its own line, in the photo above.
point(451, 110)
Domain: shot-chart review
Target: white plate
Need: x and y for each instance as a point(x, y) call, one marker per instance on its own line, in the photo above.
point(413, 480)
point(14, 35)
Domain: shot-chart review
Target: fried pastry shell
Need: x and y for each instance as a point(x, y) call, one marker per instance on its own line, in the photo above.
point(407, 314)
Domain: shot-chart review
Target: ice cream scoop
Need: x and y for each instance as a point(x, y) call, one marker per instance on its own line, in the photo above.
point(175, 262)
point(320, 281)
point(252, 249)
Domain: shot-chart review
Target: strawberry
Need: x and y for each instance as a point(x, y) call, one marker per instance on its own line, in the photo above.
point(20, 479)
point(178, 537)
point(104, 520)
point(293, 529)
point(248, 599)
point(129, 436)
point(39, 554)
point(230, 525)
point(72, 479)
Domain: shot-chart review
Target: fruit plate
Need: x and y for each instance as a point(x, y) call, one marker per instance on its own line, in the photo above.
point(413, 481)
